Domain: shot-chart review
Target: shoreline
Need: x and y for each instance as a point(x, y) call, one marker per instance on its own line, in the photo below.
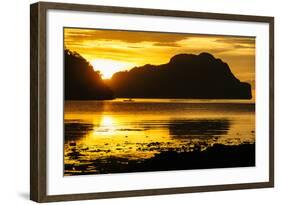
point(217, 156)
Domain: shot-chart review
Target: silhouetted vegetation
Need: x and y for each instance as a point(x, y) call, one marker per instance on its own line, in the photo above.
point(81, 81)
point(185, 76)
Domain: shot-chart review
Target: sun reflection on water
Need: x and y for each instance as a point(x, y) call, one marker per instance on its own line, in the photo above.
point(106, 127)
point(133, 136)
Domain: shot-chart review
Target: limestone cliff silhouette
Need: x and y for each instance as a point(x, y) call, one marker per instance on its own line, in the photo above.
point(184, 76)
point(81, 82)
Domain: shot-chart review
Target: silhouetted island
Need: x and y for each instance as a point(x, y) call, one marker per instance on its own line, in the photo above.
point(184, 76)
point(81, 81)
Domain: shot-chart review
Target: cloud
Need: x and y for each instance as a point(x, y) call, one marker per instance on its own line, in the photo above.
point(237, 40)
point(167, 44)
point(244, 46)
point(117, 35)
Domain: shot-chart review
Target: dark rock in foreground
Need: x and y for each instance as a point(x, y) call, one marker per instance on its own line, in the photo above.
point(217, 156)
point(185, 76)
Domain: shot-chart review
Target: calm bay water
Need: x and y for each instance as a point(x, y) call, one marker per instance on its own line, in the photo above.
point(139, 129)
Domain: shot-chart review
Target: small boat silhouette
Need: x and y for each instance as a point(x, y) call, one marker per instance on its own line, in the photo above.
point(128, 100)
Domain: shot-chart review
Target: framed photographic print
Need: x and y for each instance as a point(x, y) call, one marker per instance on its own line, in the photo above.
point(133, 102)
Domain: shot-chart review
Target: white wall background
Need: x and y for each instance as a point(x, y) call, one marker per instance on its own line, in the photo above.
point(14, 101)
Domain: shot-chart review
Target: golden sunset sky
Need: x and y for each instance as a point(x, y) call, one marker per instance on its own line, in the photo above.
point(110, 51)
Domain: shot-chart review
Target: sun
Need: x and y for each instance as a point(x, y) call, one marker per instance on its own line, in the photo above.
point(108, 67)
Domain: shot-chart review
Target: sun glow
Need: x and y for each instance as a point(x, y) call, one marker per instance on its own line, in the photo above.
point(109, 67)
point(106, 127)
point(106, 121)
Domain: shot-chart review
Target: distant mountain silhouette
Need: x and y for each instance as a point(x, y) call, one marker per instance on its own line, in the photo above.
point(185, 76)
point(81, 82)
